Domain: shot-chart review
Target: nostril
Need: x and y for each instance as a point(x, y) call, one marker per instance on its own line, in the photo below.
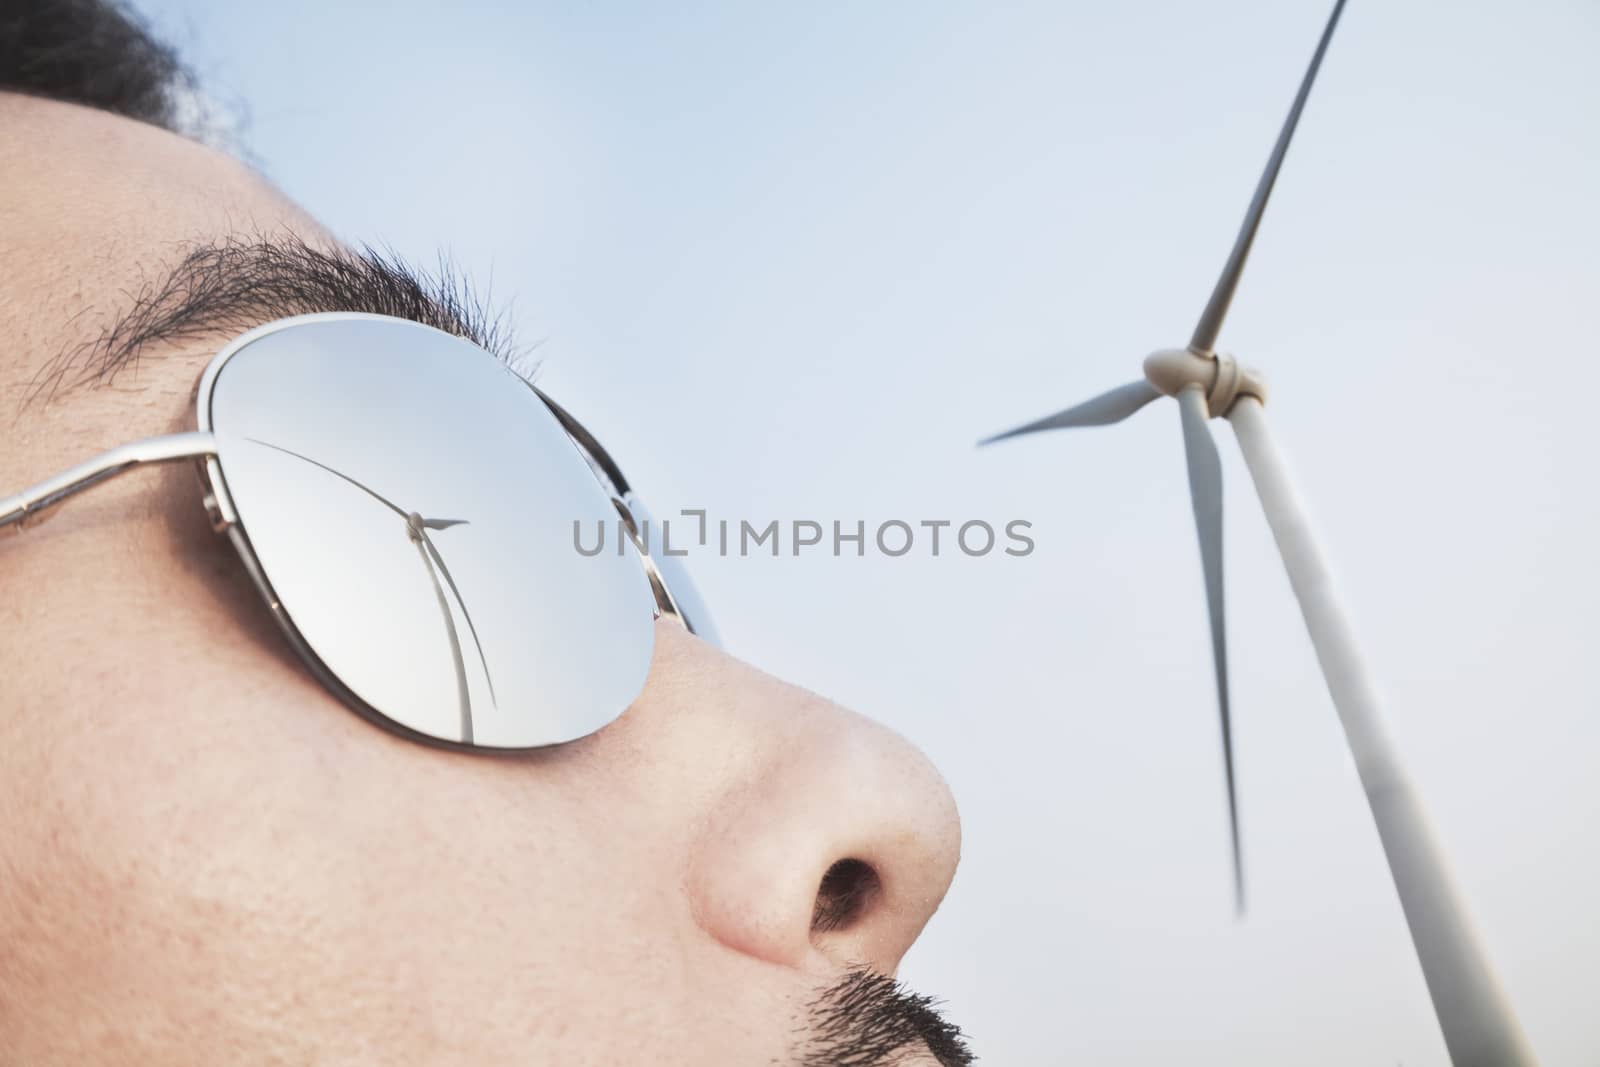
point(844, 895)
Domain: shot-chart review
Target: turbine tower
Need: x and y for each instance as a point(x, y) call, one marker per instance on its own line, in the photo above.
point(1479, 1027)
point(417, 529)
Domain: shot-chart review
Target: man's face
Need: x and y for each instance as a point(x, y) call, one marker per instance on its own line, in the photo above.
point(205, 858)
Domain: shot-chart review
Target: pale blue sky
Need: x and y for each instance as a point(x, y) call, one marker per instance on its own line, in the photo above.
point(789, 262)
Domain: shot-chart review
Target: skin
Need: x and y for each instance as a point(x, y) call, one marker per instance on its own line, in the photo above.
point(205, 858)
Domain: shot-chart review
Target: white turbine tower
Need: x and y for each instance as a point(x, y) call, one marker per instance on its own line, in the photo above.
point(1478, 1025)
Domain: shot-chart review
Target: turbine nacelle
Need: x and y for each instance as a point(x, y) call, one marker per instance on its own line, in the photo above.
point(1219, 376)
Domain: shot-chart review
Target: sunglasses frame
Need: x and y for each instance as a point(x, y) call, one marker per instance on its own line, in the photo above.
point(37, 503)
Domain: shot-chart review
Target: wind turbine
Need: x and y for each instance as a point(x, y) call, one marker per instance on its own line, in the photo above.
point(1479, 1027)
point(417, 529)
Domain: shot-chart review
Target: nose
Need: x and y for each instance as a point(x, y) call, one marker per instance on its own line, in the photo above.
point(824, 840)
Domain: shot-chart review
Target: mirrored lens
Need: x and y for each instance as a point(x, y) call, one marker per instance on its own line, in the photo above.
point(412, 505)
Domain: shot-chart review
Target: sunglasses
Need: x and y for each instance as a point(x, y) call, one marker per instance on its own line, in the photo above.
point(409, 507)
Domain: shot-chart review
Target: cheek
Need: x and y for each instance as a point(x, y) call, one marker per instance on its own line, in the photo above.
point(186, 811)
point(228, 851)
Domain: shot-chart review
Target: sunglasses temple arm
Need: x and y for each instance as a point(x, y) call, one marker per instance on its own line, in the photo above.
point(33, 504)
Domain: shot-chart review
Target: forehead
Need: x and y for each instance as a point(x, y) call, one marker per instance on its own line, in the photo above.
point(92, 206)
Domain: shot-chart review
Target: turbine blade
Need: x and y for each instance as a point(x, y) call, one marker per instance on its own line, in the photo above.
point(337, 474)
point(1103, 410)
point(1205, 333)
point(463, 695)
point(439, 560)
point(442, 524)
point(1205, 491)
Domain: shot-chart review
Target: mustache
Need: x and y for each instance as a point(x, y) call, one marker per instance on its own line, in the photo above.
point(868, 1020)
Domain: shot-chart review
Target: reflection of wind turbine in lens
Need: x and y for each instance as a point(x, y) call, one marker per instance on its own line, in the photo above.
point(417, 529)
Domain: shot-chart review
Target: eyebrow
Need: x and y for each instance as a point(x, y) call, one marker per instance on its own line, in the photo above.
point(230, 285)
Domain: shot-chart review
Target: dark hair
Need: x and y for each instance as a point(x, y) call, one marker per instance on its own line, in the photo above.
point(97, 53)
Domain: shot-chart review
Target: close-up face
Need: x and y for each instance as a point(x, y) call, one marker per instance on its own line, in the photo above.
point(461, 467)
point(208, 856)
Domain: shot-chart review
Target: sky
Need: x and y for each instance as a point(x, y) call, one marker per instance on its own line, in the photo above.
point(791, 261)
